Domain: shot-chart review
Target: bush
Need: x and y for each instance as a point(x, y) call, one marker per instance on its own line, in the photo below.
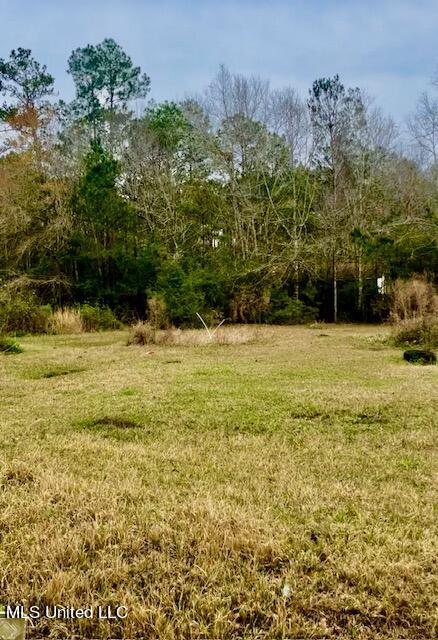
point(95, 318)
point(414, 313)
point(414, 298)
point(284, 309)
point(142, 333)
point(84, 318)
point(182, 293)
point(295, 312)
point(157, 313)
point(9, 345)
point(21, 313)
point(249, 304)
point(416, 332)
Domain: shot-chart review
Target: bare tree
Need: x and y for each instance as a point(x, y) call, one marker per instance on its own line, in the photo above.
point(282, 111)
point(289, 118)
point(423, 129)
point(379, 133)
point(232, 94)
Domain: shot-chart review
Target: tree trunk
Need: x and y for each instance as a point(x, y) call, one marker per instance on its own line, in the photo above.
point(359, 285)
point(335, 289)
point(297, 282)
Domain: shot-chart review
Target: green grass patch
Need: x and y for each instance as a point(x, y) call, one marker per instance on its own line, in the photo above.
point(128, 392)
point(10, 346)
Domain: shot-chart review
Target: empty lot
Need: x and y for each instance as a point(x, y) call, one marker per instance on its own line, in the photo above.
point(282, 488)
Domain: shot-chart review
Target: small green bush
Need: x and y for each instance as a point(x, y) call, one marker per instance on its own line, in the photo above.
point(180, 289)
point(21, 313)
point(295, 312)
point(95, 318)
point(107, 320)
point(287, 310)
point(9, 345)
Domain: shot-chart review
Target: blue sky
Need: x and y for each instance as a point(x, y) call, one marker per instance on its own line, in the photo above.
point(388, 47)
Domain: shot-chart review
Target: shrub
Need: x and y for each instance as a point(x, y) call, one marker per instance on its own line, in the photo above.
point(249, 304)
point(108, 320)
point(66, 321)
point(9, 345)
point(417, 332)
point(295, 312)
point(95, 318)
point(285, 309)
point(21, 313)
point(142, 333)
point(157, 313)
point(181, 292)
point(414, 298)
point(414, 313)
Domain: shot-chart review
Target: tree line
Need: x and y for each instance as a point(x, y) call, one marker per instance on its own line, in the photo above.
point(243, 202)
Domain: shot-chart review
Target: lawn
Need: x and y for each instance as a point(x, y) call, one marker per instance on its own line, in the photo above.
point(282, 488)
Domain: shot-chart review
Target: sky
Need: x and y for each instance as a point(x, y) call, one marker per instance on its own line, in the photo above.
point(386, 47)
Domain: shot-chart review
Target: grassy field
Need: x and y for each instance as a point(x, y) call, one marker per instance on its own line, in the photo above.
point(283, 488)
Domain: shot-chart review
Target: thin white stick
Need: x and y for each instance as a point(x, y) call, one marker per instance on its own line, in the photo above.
point(206, 328)
point(219, 325)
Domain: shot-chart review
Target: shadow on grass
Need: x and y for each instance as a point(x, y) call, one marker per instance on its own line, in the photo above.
point(113, 427)
point(52, 372)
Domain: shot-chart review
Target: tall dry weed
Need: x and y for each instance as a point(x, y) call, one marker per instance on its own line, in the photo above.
point(144, 333)
point(413, 299)
point(158, 316)
point(66, 321)
point(414, 313)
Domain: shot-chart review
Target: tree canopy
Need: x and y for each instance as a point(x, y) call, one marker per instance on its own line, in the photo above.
point(246, 202)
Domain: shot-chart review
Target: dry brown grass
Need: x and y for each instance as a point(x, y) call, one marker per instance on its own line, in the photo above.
point(413, 299)
point(293, 460)
point(414, 313)
point(158, 316)
point(144, 333)
point(66, 321)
